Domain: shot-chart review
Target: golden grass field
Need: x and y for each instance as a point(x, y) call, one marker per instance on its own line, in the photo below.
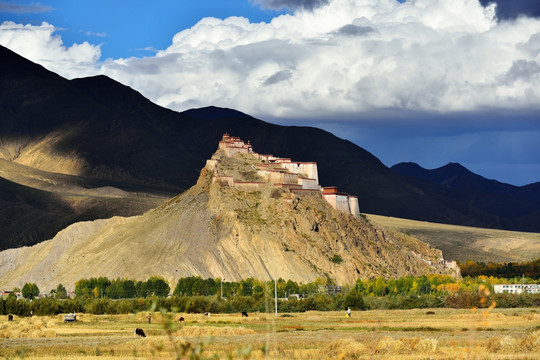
point(375, 334)
point(468, 243)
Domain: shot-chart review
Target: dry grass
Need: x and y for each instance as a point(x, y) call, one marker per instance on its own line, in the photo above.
point(462, 242)
point(212, 331)
point(28, 328)
point(399, 334)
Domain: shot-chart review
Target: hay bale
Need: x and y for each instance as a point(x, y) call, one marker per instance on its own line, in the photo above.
point(427, 345)
point(27, 329)
point(409, 344)
point(343, 348)
point(388, 345)
point(531, 342)
point(499, 344)
point(212, 331)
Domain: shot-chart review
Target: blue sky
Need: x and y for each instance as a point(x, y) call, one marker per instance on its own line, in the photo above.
point(127, 28)
point(429, 81)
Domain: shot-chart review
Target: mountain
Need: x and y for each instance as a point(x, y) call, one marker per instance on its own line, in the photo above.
point(232, 224)
point(98, 133)
point(515, 205)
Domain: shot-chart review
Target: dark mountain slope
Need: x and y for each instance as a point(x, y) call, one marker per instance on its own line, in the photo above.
point(517, 206)
point(97, 128)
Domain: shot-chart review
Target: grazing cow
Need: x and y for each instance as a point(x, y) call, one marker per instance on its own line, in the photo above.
point(181, 319)
point(430, 313)
point(139, 332)
point(207, 313)
point(10, 317)
point(244, 314)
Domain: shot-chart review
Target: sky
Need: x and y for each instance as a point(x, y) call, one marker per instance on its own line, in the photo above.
point(427, 81)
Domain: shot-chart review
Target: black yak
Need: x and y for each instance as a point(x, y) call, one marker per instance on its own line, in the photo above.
point(244, 314)
point(139, 332)
point(10, 317)
point(181, 319)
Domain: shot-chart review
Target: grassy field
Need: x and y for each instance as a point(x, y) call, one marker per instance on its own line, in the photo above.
point(468, 243)
point(398, 334)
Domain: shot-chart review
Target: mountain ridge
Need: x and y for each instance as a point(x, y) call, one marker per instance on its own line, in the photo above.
point(97, 129)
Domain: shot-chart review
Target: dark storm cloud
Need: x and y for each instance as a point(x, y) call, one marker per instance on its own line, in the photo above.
point(497, 144)
point(291, 4)
point(278, 77)
point(354, 30)
point(6, 7)
point(511, 9)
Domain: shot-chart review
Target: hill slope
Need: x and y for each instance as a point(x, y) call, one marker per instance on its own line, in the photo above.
point(214, 230)
point(464, 243)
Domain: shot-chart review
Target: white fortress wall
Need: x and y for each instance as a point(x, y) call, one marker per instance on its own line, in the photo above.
point(342, 203)
point(308, 169)
point(289, 178)
point(308, 184)
point(332, 199)
point(353, 204)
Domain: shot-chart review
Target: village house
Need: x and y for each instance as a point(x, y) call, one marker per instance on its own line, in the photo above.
point(516, 288)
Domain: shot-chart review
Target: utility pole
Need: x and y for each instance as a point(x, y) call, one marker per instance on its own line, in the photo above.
point(221, 282)
point(275, 291)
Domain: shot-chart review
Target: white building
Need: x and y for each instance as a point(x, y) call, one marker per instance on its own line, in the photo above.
point(516, 288)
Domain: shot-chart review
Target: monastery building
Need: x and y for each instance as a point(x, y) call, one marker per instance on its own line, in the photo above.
point(298, 177)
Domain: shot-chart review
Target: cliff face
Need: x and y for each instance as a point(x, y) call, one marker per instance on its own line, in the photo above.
point(214, 230)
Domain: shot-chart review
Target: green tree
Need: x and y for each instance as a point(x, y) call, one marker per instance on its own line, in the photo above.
point(30, 291)
point(354, 300)
point(158, 286)
point(142, 289)
point(61, 292)
point(379, 288)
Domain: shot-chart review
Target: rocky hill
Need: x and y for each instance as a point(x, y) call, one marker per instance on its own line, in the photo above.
point(218, 230)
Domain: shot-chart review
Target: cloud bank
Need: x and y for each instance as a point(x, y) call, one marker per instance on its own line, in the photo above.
point(39, 44)
point(328, 58)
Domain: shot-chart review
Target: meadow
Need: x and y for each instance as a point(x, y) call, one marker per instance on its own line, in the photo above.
point(374, 334)
point(468, 243)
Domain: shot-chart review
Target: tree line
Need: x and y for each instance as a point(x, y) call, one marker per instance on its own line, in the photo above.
point(121, 289)
point(505, 270)
point(197, 295)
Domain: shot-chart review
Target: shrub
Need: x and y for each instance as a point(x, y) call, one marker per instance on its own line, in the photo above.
point(336, 259)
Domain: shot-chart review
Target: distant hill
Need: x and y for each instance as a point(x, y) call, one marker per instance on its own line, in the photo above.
point(517, 207)
point(464, 243)
point(104, 134)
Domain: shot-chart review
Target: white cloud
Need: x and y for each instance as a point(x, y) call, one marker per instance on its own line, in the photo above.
point(39, 44)
point(345, 57)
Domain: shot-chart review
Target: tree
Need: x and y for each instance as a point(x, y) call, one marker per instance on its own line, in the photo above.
point(354, 300)
point(61, 292)
point(158, 287)
point(379, 288)
point(30, 291)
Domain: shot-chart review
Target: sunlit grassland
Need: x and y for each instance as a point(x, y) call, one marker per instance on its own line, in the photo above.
point(375, 334)
point(468, 243)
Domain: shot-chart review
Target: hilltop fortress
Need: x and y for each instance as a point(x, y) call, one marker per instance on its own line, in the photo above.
point(298, 177)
